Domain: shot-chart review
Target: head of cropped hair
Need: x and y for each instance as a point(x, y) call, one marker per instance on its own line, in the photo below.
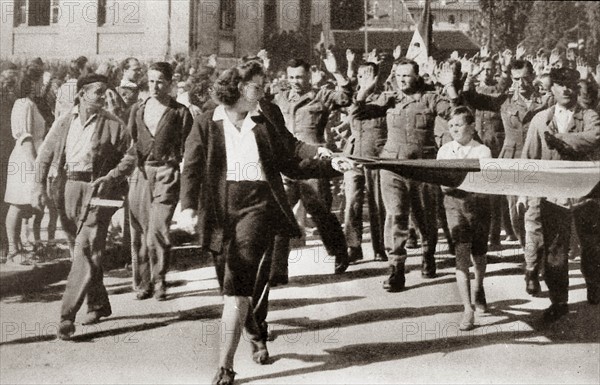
point(165, 68)
point(464, 111)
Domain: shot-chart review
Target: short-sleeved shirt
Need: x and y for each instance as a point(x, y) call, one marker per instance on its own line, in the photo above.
point(471, 150)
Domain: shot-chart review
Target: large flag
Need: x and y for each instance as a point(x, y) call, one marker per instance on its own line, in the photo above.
point(425, 26)
point(420, 44)
point(522, 177)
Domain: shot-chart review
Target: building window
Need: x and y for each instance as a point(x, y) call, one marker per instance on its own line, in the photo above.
point(451, 19)
point(36, 12)
point(20, 16)
point(101, 12)
point(118, 12)
point(227, 21)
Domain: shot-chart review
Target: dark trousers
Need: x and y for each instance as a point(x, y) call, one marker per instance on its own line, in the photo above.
point(356, 184)
point(468, 219)
point(556, 225)
point(150, 218)
point(499, 217)
point(86, 275)
point(316, 197)
point(400, 195)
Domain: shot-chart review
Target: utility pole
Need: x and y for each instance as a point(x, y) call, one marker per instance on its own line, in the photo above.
point(366, 21)
point(491, 25)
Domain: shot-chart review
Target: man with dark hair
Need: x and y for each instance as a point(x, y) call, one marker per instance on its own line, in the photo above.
point(83, 146)
point(517, 107)
point(306, 112)
point(410, 113)
point(567, 131)
point(158, 126)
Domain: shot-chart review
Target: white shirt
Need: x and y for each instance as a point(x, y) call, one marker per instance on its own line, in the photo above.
point(153, 113)
point(562, 118)
point(78, 148)
point(243, 161)
point(471, 150)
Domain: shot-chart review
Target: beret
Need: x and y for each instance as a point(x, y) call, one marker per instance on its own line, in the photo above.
point(89, 79)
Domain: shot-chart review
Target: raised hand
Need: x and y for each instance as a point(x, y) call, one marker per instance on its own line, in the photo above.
point(507, 57)
point(520, 52)
point(372, 58)
point(366, 82)
point(330, 62)
point(582, 68)
point(350, 56)
point(445, 75)
point(212, 60)
point(554, 57)
point(316, 76)
point(484, 51)
point(397, 52)
point(264, 56)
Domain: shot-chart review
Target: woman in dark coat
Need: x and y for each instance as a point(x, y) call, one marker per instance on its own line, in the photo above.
point(233, 195)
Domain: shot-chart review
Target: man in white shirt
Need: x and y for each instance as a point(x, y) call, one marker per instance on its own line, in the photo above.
point(83, 145)
point(567, 131)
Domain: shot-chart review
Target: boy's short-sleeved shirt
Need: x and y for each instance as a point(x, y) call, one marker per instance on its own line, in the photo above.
point(471, 150)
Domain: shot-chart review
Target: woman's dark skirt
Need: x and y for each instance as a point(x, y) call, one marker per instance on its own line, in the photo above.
point(248, 233)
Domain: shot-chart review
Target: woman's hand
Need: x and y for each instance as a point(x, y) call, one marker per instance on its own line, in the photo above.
point(343, 164)
point(187, 221)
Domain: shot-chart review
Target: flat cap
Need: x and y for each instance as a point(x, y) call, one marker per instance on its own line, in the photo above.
point(564, 76)
point(89, 79)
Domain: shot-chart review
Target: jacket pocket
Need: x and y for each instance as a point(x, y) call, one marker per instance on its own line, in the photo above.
point(166, 185)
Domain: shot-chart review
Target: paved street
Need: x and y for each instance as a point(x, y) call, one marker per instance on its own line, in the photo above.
point(326, 329)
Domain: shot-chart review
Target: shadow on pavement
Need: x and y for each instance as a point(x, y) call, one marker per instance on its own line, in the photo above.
point(573, 328)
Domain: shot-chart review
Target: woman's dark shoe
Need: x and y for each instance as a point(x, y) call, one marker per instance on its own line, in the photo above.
point(224, 377)
point(260, 354)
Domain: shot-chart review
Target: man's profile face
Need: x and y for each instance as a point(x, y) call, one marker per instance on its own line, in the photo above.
point(134, 72)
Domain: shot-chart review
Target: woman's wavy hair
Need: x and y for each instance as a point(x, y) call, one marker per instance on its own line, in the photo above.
point(226, 88)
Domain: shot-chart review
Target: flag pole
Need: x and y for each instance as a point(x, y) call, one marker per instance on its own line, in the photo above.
point(366, 21)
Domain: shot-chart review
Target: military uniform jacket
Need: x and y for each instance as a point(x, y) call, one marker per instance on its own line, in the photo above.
point(410, 123)
point(306, 115)
point(516, 115)
point(368, 136)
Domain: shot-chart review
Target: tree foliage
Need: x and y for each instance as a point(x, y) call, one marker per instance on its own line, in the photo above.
point(347, 14)
point(508, 20)
point(539, 24)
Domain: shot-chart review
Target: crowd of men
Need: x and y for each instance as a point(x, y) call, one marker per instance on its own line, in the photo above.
point(536, 107)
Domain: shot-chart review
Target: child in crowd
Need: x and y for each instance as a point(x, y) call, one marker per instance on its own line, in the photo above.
point(468, 215)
